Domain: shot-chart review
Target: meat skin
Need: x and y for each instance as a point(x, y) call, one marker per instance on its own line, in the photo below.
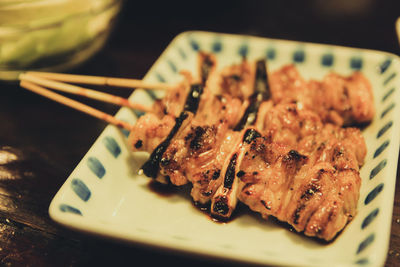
point(302, 167)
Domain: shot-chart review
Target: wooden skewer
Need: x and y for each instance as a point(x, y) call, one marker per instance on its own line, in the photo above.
point(77, 90)
point(99, 80)
point(75, 104)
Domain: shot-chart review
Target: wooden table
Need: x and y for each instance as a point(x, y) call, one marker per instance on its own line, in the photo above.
point(41, 141)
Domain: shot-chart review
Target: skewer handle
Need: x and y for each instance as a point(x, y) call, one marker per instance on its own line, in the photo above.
point(77, 90)
point(99, 80)
point(75, 105)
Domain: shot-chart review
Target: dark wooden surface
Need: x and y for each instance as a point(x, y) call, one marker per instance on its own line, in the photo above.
point(41, 142)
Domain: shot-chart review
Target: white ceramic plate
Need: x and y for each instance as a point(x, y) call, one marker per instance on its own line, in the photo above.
point(105, 196)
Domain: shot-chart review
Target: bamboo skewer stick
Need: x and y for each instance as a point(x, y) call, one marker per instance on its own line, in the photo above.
point(99, 80)
point(75, 105)
point(77, 90)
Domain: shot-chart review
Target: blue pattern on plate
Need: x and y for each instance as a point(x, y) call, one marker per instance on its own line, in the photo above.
point(356, 63)
point(389, 93)
point(194, 44)
point(138, 113)
point(327, 60)
point(370, 218)
point(386, 111)
point(172, 66)
point(160, 78)
point(384, 129)
point(243, 50)
point(152, 95)
point(377, 169)
point(96, 167)
point(364, 244)
point(374, 192)
point(270, 53)
point(388, 79)
point(182, 53)
point(80, 189)
point(125, 132)
point(362, 261)
point(299, 56)
point(70, 209)
point(112, 146)
point(380, 149)
point(216, 46)
point(385, 65)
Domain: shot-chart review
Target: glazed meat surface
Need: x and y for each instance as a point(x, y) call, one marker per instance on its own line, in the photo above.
point(294, 161)
point(299, 170)
point(315, 192)
point(337, 99)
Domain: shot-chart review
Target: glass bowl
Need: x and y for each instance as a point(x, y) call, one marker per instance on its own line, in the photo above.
point(52, 35)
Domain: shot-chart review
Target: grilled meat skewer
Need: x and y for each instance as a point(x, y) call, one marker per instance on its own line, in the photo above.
point(297, 137)
point(272, 167)
point(152, 128)
point(337, 99)
point(225, 198)
point(315, 192)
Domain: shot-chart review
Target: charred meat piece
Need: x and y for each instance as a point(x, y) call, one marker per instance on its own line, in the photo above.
point(197, 156)
point(262, 168)
point(236, 80)
point(337, 99)
point(207, 65)
point(193, 98)
point(261, 93)
point(315, 192)
point(198, 104)
point(149, 131)
point(174, 100)
point(214, 109)
point(293, 162)
point(287, 123)
point(152, 165)
point(187, 150)
point(350, 98)
point(207, 172)
point(224, 201)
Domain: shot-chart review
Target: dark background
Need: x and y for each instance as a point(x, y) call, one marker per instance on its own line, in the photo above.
point(50, 139)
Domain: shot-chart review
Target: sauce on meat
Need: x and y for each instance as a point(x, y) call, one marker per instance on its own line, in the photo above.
point(152, 166)
point(274, 166)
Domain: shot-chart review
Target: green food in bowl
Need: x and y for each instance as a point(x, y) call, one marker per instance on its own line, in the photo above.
point(52, 34)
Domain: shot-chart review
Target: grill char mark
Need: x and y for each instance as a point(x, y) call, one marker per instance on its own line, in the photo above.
point(216, 174)
point(152, 166)
point(230, 172)
point(195, 143)
point(307, 195)
point(250, 135)
point(221, 206)
point(193, 98)
point(261, 93)
point(206, 67)
point(294, 161)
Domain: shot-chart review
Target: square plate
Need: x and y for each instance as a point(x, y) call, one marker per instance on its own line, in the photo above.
point(105, 196)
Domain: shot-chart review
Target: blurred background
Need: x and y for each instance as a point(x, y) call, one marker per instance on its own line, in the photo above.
point(142, 31)
point(150, 26)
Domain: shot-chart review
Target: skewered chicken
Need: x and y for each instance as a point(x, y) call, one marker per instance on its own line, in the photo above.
point(314, 185)
point(277, 156)
point(337, 99)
